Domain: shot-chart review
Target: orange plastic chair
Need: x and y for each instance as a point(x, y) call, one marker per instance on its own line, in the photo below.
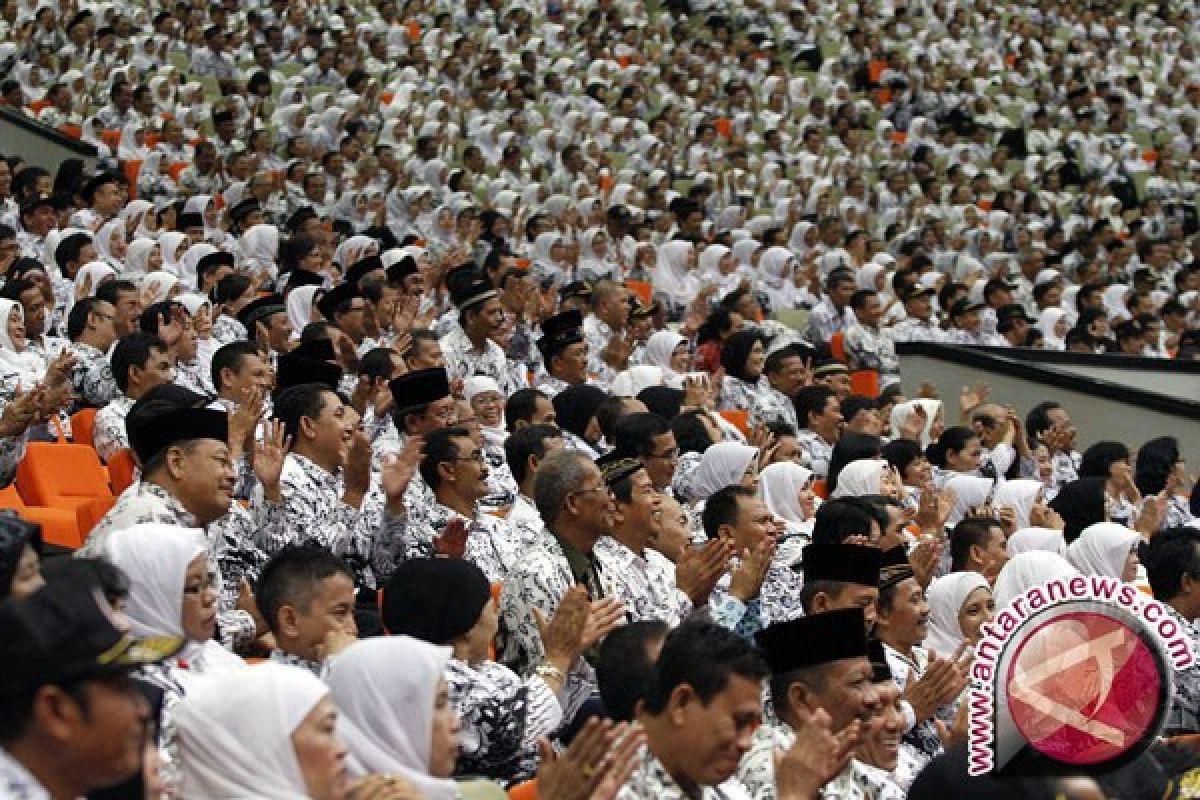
point(820, 488)
point(152, 139)
point(642, 289)
point(132, 170)
point(74, 131)
point(90, 514)
point(66, 476)
point(174, 170)
point(121, 470)
point(524, 791)
point(739, 418)
point(899, 137)
point(724, 126)
point(83, 426)
point(59, 527)
point(112, 139)
point(837, 346)
point(387, 97)
point(875, 71)
point(864, 382)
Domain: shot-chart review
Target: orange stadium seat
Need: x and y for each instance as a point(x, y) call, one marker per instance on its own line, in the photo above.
point(60, 527)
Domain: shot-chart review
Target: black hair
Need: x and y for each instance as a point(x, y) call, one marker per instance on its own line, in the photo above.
point(624, 669)
point(608, 413)
point(812, 400)
point(634, 434)
point(721, 508)
point(133, 350)
point(1099, 458)
point(952, 440)
point(969, 532)
point(377, 363)
point(109, 290)
point(293, 577)
point(901, 453)
point(690, 432)
point(855, 404)
point(702, 655)
point(1037, 421)
point(1169, 555)
point(232, 356)
point(776, 360)
point(521, 405)
point(440, 448)
point(296, 402)
point(1156, 459)
point(78, 317)
point(525, 442)
point(230, 288)
point(838, 520)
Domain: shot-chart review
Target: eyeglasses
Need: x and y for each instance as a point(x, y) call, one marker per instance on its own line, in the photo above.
point(670, 455)
point(477, 457)
point(602, 488)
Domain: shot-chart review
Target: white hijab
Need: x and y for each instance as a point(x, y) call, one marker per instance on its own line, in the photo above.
point(722, 465)
point(300, 307)
point(1046, 322)
point(476, 385)
point(860, 478)
point(901, 411)
point(138, 255)
point(90, 275)
point(1027, 570)
point(161, 282)
point(946, 596)
point(672, 276)
point(1019, 495)
point(659, 349)
point(780, 485)
point(234, 732)
point(385, 689)
point(1027, 540)
point(630, 382)
point(1102, 549)
point(969, 492)
point(27, 365)
point(170, 243)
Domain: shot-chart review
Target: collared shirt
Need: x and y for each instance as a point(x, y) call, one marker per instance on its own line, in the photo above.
point(650, 779)
point(773, 406)
point(1183, 716)
point(547, 569)
point(1066, 467)
point(313, 510)
point(91, 376)
point(230, 542)
point(464, 361)
point(524, 521)
point(315, 667)
point(108, 431)
point(825, 320)
point(818, 450)
point(644, 583)
point(490, 544)
point(18, 783)
point(550, 385)
point(737, 394)
point(194, 375)
point(501, 717)
point(778, 600)
point(502, 487)
point(226, 329)
point(923, 736)
point(912, 329)
point(597, 334)
point(873, 348)
point(980, 338)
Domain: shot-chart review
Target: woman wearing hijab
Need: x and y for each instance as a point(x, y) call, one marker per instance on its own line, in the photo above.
point(260, 251)
point(1027, 540)
point(90, 276)
point(934, 424)
point(725, 464)
point(159, 287)
point(1106, 549)
point(595, 261)
point(487, 404)
point(1026, 571)
point(742, 357)
point(20, 551)
point(396, 715)
point(266, 733)
point(970, 492)
point(110, 243)
point(549, 259)
point(630, 382)
point(448, 602)
point(668, 351)
point(717, 267)
point(786, 489)
point(1052, 322)
point(1081, 503)
point(675, 284)
point(19, 364)
point(959, 603)
point(143, 256)
point(172, 245)
point(1023, 496)
point(865, 476)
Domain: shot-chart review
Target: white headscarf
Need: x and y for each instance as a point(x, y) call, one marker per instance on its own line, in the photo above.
point(1027, 540)
point(27, 365)
point(1027, 570)
point(385, 689)
point(156, 559)
point(860, 478)
point(1046, 322)
point(300, 306)
point(946, 596)
point(476, 385)
point(1102, 548)
point(780, 485)
point(722, 465)
point(235, 733)
point(138, 255)
point(191, 260)
point(260, 248)
point(103, 241)
point(901, 411)
point(672, 276)
point(659, 349)
point(1020, 495)
point(161, 282)
point(969, 492)
point(91, 274)
point(630, 382)
point(170, 243)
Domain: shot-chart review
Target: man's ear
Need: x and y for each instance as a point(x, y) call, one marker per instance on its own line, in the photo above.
point(287, 619)
point(677, 704)
point(308, 428)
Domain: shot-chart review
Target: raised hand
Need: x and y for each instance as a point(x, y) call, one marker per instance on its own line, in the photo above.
point(972, 397)
point(817, 756)
point(605, 614)
point(698, 570)
point(924, 560)
point(452, 541)
point(914, 424)
point(747, 578)
point(562, 635)
point(20, 412)
point(398, 470)
point(596, 765)
point(269, 456)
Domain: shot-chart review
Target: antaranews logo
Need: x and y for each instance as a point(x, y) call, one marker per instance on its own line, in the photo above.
point(1080, 671)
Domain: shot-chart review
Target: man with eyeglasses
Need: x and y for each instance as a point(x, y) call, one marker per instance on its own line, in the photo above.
point(92, 332)
point(470, 345)
point(454, 467)
point(577, 507)
point(647, 437)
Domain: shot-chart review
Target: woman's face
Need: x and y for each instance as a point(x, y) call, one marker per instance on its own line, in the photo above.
point(750, 476)
point(1044, 465)
point(967, 459)
point(443, 745)
point(320, 753)
point(976, 610)
point(558, 252)
point(199, 601)
point(479, 639)
point(600, 245)
point(16, 328)
point(726, 265)
point(28, 577)
point(807, 499)
point(154, 260)
point(939, 425)
point(489, 408)
point(1061, 328)
point(1129, 573)
point(756, 359)
point(202, 321)
point(681, 358)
